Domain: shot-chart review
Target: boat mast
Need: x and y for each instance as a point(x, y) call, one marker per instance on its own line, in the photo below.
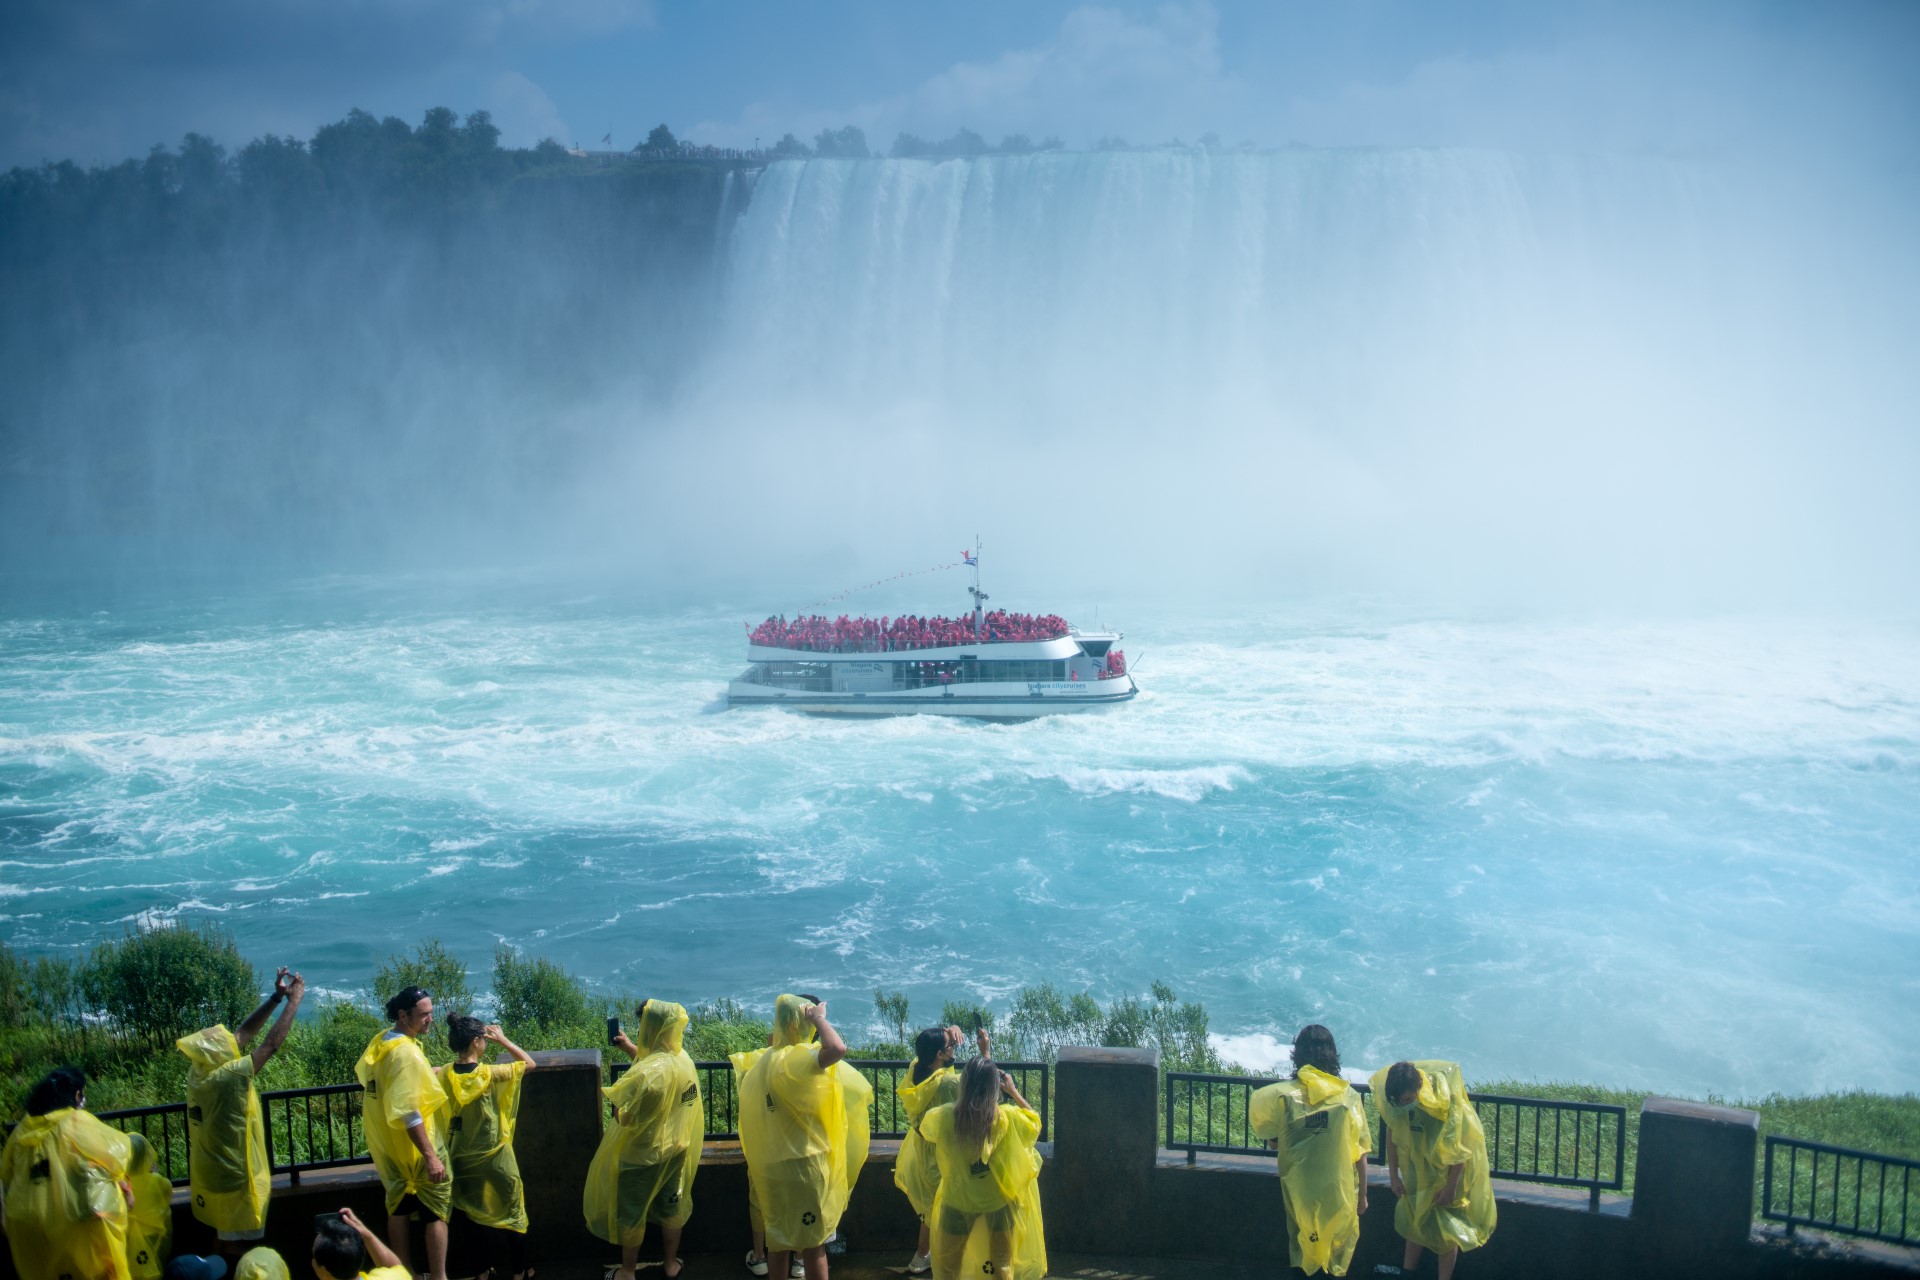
point(979, 596)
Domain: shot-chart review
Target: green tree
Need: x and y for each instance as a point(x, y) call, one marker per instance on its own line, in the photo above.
point(660, 138)
point(846, 144)
point(892, 1008)
point(966, 1015)
point(1015, 144)
point(160, 983)
point(908, 144)
point(431, 967)
point(534, 992)
point(790, 147)
point(1044, 1018)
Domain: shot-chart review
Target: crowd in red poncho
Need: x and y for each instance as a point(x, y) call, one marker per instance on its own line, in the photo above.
point(817, 634)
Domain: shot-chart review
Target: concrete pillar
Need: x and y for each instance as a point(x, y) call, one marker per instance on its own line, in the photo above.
point(560, 1120)
point(1693, 1183)
point(1106, 1137)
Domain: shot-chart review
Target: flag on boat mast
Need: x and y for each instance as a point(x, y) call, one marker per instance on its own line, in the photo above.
point(968, 557)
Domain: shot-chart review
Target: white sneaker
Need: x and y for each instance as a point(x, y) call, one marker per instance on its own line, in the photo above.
point(796, 1269)
point(920, 1265)
point(756, 1264)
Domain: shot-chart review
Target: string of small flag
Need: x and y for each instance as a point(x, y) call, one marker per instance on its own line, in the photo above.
point(966, 558)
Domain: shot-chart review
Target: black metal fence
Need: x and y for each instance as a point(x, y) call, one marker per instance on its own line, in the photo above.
point(1855, 1193)
point(719, 1093)
point(1565, 1144)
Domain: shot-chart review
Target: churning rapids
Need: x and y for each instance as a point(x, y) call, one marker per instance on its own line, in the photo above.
point(1673, 856)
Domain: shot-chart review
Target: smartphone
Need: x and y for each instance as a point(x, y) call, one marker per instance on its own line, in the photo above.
point(976, 1022)
point(613, 1030)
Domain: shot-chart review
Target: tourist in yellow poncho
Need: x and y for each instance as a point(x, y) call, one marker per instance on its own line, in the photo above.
point(65, 1176)
point(804, 1129)
point(227, 1164)
point(342, 1244)
point(483, 1101)
point(406, 1125)
point(150, 1215)
point(986, 1217)
point(261, 1263)
point(1437, 1159)
point(1319, 1127)
point(643, 1171)
point(932, 1081)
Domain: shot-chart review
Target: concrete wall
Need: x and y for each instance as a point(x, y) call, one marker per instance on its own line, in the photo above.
point(1107, 1189)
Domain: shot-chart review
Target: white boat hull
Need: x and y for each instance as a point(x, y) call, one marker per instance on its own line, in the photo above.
point(979, 701)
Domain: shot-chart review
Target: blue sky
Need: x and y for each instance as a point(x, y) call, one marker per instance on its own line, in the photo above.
point(101, 80)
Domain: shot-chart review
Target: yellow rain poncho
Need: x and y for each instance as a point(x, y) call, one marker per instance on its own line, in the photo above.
point(485, 1105)
point(150, 1220)
point(261, 1264)
point(66, 1215)
point(804, 1130)
point(1439, 1130)
point(398, 1081)
point(977, 1185)
point(226, 1139)
point(1322, 1130)
point(643, 1170)
point(916, 1170)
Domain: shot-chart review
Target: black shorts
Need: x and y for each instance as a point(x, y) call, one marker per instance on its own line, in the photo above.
point(955, 1223)
point(410, 1207)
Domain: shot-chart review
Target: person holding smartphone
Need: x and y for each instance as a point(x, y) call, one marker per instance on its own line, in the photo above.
point(643, 1170)
point(343, 1249)
point(986, 1215)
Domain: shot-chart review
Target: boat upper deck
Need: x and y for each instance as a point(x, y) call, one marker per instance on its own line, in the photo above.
point(927, 637)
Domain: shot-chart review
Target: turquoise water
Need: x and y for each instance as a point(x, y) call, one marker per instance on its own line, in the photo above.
point(1677, 855)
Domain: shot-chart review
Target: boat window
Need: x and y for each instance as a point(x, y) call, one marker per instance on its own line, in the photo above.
point(1095, 648)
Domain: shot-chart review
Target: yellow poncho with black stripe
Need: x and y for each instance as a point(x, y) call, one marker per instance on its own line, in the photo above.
point(398, 1081)
point(1321, 1128)
point(65, 1213)
point(1438, 1130)
point(804, 1130)
point(643, 1170)
point(484, 1106)
point(227, 1168)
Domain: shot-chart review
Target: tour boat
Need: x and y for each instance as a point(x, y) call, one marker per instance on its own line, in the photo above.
point(991, 665)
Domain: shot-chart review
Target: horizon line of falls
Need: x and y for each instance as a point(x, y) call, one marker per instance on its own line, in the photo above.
point(1295, 356)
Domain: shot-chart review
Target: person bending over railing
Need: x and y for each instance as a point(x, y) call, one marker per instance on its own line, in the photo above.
point(986, 1216)
point(643, 1170)
point(1437, 1160)
point(484, 1101)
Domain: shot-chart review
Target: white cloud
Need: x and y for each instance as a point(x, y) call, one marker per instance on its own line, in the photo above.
point(524, 112)
point(1101, 72)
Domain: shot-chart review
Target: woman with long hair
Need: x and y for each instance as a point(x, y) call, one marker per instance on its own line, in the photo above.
point(986, 1214)
point(1317, 1124)
point(933, 1081)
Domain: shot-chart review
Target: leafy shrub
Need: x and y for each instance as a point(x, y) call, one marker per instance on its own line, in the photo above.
point(431, 967)
point(535, 993)
point(160, 983)
point(331, 1042)
point(1044, 1018)
point(724, 1027)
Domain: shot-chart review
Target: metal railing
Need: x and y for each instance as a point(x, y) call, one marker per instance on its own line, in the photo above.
point(719, 1094)
point(313, 1129)
point(1563, 1144)
point(1838, 1189)
point(169, 1145)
